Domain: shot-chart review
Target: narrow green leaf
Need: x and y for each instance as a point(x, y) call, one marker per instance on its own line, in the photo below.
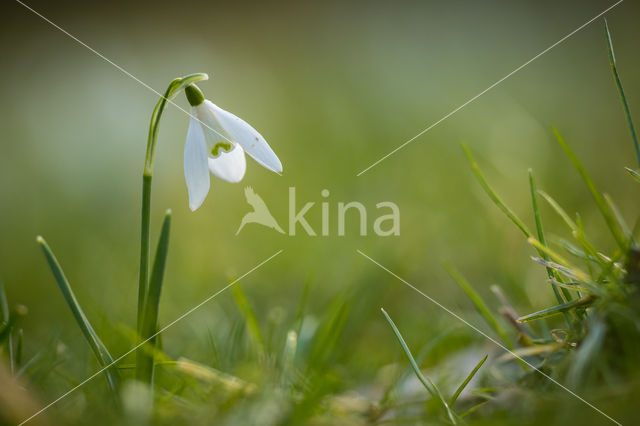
point(99, 349)
point(585, 356)
point(479, 304)
point(145, 358)
point(618, 216)
point(302, 305)
point(4, 304)
point(288, 358)
point(571, 285)
point(512, 216)
point(19, 347)
point(577, 231)
point(427, 383)
point(249, 318)
point(585, 300)
point(541, 237)
point(6, 328)
point(633, 173)
point(623, 98)
point(474, 408)
point(208, 374)
point(328, 333)
point(574, 271)
point(467, 380)
point(492, 194)
point(561, 212)
point(597, 196)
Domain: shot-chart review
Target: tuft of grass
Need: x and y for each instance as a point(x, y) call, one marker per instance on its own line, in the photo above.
point(514, 218)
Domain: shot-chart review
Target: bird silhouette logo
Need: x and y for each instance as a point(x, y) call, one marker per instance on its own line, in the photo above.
point(260, 213)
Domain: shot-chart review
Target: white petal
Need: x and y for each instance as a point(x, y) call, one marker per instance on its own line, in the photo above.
point(196, 171)
point(213, 131)
point(229, 166)
point(248, 137)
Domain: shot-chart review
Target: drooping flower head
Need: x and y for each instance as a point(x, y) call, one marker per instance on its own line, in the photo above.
point(216, 142)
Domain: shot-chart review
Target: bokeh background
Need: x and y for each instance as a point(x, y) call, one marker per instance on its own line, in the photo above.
point(333, 86)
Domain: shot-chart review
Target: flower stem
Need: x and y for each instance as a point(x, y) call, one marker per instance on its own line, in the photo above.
point(173, 89)
point(144, 246)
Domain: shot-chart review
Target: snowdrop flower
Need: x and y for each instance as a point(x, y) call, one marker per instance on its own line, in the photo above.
point(216, 142)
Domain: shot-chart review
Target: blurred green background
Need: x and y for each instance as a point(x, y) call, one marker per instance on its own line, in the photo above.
point(333, 86)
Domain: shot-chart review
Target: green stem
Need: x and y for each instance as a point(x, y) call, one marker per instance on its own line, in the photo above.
point(173, 89)
point(144, 246)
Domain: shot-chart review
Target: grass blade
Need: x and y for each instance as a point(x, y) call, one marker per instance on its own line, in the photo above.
point(561, 212)
point(467, 380)
point(250, 319)
point(208, 374)
point(479, 304)
point(618, 216)
point(511, 215)
point(144, 363)
point(576, 230)
point(492, 194)
point(550, 273)
point(328, 334)
point(19, 347)
point(633, 173)
point(474, 408)
point(597, 196)
point(574, 271)
point(583, 301)
point(623, 98)
point(4, 304)
point(288, 358)
point(428, 384)
point(98, 348)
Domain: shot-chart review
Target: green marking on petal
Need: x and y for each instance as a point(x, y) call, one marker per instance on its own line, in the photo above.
point(216, 149)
